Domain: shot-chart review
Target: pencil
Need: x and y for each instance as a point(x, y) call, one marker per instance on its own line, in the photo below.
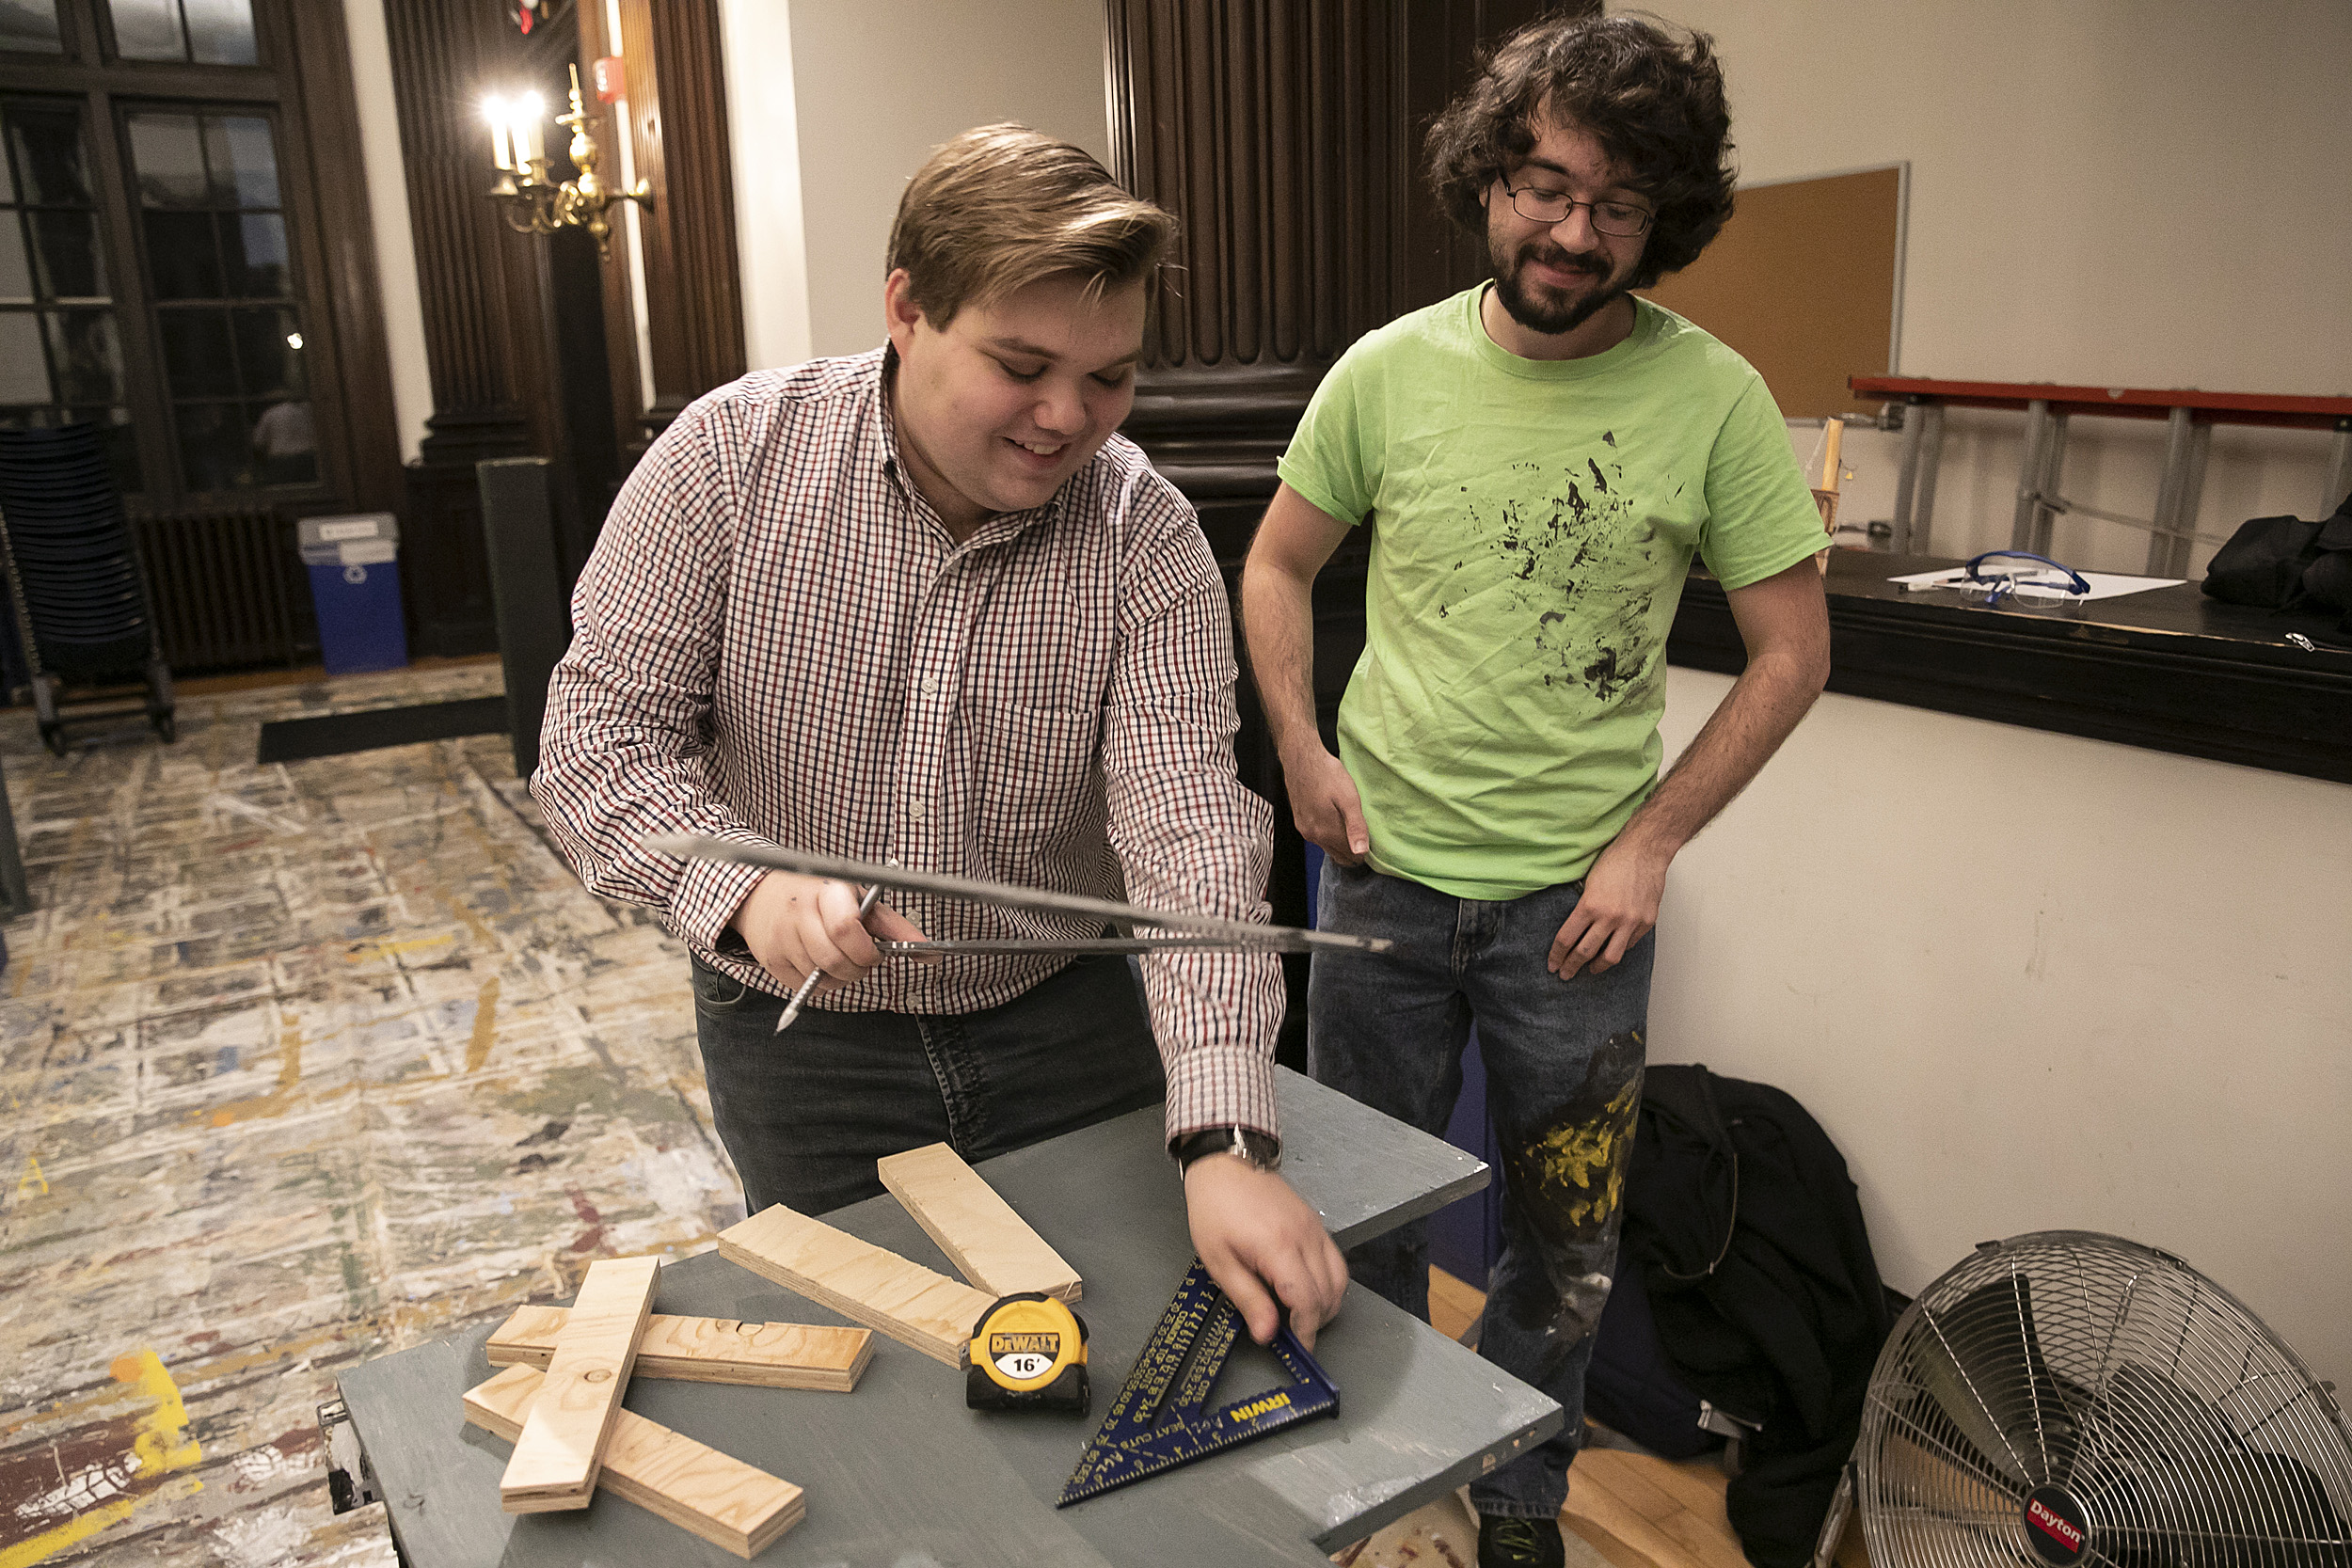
point(808, 983)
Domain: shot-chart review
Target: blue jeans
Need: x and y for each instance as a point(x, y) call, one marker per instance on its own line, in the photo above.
point(1564, 1074)
point(806, 1114)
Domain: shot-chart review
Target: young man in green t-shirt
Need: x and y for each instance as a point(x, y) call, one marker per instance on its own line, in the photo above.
point(1537, 460)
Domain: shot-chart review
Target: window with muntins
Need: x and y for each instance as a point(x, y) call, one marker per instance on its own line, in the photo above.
point(60, 347)
point(222, 283)
point(161, 256)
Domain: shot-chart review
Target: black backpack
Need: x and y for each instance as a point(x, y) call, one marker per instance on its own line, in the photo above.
point(1747, 1236)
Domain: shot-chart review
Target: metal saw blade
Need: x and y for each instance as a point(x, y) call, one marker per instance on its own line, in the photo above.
point(973, 890)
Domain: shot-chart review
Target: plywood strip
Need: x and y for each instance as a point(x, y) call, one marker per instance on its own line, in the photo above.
point(925, 1310)
point(562, 1445)
point(717, 1497)
point(708, 1349)
point(992, 1247)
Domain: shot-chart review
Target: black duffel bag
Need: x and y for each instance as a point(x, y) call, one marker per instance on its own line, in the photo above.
point(2327, 580)
point(2286, 563)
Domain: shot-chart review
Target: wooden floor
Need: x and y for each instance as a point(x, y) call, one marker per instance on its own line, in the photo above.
point(1626, 1509)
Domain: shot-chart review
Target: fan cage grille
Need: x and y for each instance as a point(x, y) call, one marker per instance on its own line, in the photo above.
point(2187, 1433)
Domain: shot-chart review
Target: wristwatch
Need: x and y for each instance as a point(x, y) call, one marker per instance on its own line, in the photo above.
point(1262, 1151)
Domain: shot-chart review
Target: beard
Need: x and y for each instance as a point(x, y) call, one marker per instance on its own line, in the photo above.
point(1541, 308)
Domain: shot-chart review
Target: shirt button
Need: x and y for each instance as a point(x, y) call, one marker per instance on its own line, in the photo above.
point(927, 684)
point(915, 810)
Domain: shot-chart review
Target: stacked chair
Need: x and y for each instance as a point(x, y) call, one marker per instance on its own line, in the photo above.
point(83, 611)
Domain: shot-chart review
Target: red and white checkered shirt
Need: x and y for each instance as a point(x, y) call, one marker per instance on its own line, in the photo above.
point(778, 643)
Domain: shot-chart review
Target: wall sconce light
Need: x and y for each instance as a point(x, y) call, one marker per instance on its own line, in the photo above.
point(534, 203)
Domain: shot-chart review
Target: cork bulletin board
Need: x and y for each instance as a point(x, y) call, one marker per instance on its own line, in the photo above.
point(1807, 281)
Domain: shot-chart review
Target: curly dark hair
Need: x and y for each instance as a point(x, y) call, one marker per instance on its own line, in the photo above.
point(1656, 105)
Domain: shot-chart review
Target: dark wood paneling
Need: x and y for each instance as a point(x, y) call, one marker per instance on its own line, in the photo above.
point(443, 52)
point(1285, 135)
point(678, 123)
point(370, 442)
point(625, 383)
point(443, 57)
point(509, 320)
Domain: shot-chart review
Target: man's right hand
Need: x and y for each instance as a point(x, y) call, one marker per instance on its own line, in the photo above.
point(793, 923)
point(1323, 803)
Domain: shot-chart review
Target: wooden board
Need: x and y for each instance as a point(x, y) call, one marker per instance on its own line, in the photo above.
point(708, 1349)
point(915, 1307)
point(992, 1247)
point(1804, 282)
point(725, 1501)
point(562, 1446)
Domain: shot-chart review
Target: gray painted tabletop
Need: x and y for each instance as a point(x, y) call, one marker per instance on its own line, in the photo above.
point(901, 1475)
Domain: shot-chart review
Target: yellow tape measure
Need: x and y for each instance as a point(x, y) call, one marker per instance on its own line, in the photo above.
point(1029, 1352)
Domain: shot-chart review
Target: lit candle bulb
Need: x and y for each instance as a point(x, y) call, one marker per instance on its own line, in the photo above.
point(531, 112)
point(494, 110)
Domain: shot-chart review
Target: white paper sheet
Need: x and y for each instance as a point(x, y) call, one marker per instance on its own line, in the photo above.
point(2103, 585)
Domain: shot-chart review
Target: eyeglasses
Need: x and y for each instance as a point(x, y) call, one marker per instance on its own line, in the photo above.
point(1620, 219)
point(2023, 586)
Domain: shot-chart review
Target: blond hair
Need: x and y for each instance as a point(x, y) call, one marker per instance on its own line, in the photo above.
point(1002, 206)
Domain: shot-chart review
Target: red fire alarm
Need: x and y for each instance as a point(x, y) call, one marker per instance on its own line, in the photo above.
point(611, 80)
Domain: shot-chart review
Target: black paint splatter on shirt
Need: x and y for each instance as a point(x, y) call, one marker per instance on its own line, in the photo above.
point(1565, 551)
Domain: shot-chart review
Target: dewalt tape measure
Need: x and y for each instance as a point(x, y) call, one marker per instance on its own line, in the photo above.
point(1029, 1352)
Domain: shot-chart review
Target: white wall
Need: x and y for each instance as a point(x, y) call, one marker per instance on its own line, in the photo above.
point(835, 104)
point(387, 210)
point(765, 143)
point(2141, 192)
point(2031, 982)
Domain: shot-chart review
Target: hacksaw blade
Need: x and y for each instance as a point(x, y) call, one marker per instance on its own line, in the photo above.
point(974, 890)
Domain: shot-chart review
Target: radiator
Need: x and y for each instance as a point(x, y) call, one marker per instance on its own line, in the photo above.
point(229, 589)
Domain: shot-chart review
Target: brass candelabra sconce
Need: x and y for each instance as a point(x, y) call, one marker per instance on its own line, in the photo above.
point(534, 202)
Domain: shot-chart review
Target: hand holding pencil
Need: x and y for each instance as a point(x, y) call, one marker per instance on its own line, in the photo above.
point(808, 981)
point(803, 929)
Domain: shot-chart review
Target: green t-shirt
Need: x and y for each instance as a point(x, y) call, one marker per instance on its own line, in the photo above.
point(1532, 522)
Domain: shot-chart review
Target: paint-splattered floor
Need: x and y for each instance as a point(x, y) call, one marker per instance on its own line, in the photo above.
point(299, 1064)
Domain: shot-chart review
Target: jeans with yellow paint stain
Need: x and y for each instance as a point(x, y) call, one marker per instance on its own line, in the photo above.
point(1563, 1077)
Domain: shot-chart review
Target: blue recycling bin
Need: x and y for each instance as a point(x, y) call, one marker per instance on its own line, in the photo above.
point(355, 587)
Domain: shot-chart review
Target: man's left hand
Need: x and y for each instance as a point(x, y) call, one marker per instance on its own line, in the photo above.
point(1262, 1241)
point(1619, 908)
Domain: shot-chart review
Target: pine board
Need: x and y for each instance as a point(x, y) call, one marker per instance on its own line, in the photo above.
point(562, 1445)
point(990, 1244)
point(913, 1306)
point(708, 1349)
point(725, 1501)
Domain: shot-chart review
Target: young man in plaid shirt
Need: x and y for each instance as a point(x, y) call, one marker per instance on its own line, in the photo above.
point(923, 606)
